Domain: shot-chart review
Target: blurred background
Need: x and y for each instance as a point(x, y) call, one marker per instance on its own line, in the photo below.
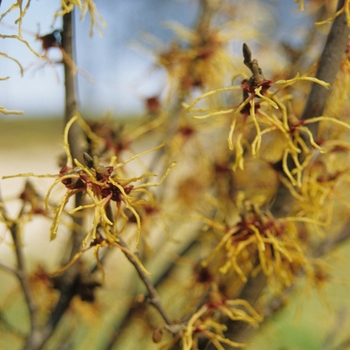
point(116, 71)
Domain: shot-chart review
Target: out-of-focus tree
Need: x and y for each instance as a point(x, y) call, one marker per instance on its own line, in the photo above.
point(251, 152)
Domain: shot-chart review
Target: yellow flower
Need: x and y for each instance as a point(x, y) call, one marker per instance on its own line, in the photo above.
point(101, 186)
point(197, 58)
point(263, 110)
point(206, 321)
point(274, 242)
point(344, 9)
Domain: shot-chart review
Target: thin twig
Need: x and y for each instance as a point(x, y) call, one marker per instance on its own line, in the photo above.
point(152, 292)
point(10, 269)
point(22, 277)
point(5, 324)
point(158, 280)
point(20, 272)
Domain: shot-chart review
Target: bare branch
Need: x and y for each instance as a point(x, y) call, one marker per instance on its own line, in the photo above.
point(75, 140)
point(152, 292)
point(328, 67)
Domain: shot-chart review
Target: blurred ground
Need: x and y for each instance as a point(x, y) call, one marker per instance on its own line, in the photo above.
point(28, 145)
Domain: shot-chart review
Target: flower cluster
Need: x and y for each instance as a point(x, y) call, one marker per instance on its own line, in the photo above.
point(206, 322)
point(197, 58)
point(101, 187)
point(97, 182)
point(194, 65)
point(273, 242)
point(267, 113)
point(87, 6)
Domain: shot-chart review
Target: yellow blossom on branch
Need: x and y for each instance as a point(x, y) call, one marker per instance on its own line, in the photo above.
point(266, 112)
point(3, 110)
point(96, 19)
point(301, 4)
point(274, 242)
point(199, 57)
point(344, 9)
point(206, 322)
point(87, 6)
point(101, 186)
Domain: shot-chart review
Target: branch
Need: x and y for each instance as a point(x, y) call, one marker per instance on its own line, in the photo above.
point(152, 297)
point(75, 135)
point(75, 140)
point(11, 270)
point(328, 67)
point(6, 325)
point(19, 272)
point(152, 292)
point(157, 281)
point(77, 149)
point(22, 277)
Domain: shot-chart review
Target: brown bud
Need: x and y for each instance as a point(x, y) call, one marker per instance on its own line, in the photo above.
point(157, 334)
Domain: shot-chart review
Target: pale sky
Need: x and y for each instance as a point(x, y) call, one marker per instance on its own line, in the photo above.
point(121, 76)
